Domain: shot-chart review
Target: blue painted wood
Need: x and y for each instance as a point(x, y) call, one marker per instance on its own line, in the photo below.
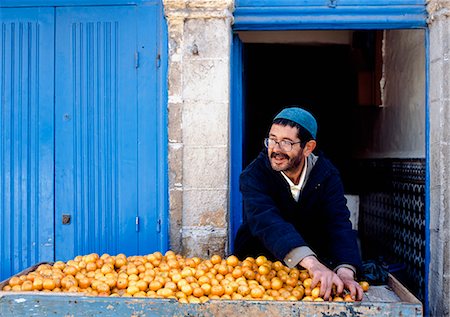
point(72, 3)
point(162, 139)
point(39, 304)
point(236, 136)
point(343, 15)
point(26, 138)
point(151, 121)
point(106, 131)
point(427, 175)
point(280, 3)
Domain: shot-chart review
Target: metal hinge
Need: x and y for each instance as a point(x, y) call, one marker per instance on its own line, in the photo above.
point(158, 60)
point(158, 225)
point(137, 224)
point(136, 59)
point(332, 3)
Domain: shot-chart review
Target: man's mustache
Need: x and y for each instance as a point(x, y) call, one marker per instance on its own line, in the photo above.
point(275, 154)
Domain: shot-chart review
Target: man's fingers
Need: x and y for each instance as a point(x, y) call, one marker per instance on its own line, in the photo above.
point(351, 288)
point(339, 286)
point(327, 294)
point(359, 292)
point(315, 280)
point(324, 286)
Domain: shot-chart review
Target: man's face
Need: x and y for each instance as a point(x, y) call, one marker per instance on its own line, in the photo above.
point(280, 160)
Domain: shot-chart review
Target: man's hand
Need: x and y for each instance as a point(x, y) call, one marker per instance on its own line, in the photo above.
point(344, 277)
point(347, 277)
point(326, 277)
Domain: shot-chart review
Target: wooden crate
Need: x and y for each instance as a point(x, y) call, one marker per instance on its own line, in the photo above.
point(386, 300)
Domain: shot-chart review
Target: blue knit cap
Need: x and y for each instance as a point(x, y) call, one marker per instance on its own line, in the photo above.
point(300, 116)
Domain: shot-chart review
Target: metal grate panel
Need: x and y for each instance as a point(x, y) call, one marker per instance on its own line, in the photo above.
point(392, 217)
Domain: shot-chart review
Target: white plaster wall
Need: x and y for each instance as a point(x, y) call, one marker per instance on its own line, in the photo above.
point(398, 129)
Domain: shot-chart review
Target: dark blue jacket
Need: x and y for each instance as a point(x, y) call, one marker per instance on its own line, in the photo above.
point(274, 223)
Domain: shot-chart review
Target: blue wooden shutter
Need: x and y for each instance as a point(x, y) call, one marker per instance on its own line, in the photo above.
point(26, 138)
point(96, 130)
point(108, 115)
point(152, 142)
point(329, 14)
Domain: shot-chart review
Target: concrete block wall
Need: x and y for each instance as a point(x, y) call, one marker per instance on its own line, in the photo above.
point(439, 125)
point(198, 109)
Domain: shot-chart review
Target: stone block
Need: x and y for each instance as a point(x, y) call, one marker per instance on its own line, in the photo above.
point(436, 48)
point(435, 122)
point(435, 176)
point(203, 242)
point(206, 38)
point(175, 132)
point(205, 167)
point(175, 164)
point(210, 4)
point(175, 86)
point(205, 207)
point(174, 4)
point(205, 124)
point(175, 27)
point(436, 77)
point(434, 210)
point(206, 80)
point(175, 219)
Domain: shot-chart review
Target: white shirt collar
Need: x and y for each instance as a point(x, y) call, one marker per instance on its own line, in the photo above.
point(295, 189)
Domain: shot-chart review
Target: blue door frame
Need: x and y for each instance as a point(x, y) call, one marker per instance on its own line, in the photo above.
point(281, 15)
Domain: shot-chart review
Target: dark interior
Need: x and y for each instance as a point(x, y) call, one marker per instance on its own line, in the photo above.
point(339, 85)
point(320, 78)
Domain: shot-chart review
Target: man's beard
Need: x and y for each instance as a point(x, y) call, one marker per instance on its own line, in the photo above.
point(291, 164)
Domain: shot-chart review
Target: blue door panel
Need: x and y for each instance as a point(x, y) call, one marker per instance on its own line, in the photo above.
point(150, 231)
point(26, 138)
point(106, 122)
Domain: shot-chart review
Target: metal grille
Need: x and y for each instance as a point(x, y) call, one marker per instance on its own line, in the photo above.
point(392, 216)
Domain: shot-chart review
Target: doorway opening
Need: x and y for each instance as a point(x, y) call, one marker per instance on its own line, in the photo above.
point(367, 92)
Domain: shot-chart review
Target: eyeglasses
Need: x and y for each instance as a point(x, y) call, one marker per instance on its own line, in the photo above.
point(285, 145)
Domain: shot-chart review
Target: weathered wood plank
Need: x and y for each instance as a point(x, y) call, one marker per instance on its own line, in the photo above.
point(35, 304)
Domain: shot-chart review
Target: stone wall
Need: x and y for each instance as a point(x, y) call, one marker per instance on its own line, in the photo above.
point(439, 125)
point(198, 108)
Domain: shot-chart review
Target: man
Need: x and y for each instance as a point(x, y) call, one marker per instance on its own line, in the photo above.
point(294, 207)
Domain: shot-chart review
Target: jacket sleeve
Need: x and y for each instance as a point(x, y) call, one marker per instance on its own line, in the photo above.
point(342, 238)
point(264, 218)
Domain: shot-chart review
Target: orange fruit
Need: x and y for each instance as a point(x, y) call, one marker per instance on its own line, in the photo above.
point(232, 260)
point(198, 292)
point(348, 298)
point(27, 286)
point(155, 285)
point(217, 290)
point(315, 292)
point(187, 289)
point(256, 292)
point(307, 282)
point(48, 284)
point(216, 259)
point(276, 283)
point(364, 285)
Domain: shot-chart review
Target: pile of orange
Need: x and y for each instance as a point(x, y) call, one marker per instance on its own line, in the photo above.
point(189, 280)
